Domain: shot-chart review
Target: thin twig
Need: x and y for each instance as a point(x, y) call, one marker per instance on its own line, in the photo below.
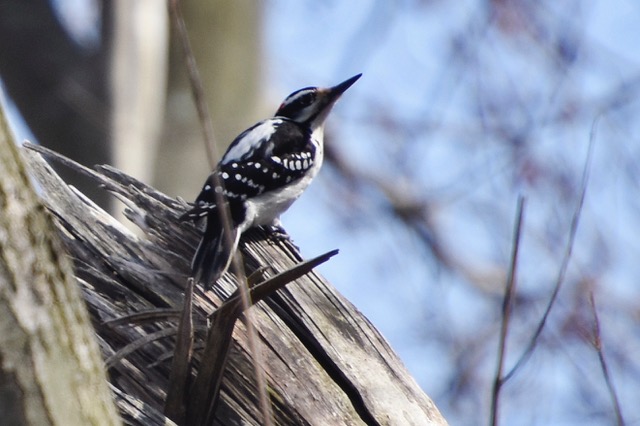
point(506, 312)
point(195, 82)
point(139, 344)
point(206, 122)
point(142, 317)
point(597, 344)
point(565, 259)
point(210, 145)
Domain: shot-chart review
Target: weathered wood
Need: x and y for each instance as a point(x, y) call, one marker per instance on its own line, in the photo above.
point(206, 387)
point(324, 362)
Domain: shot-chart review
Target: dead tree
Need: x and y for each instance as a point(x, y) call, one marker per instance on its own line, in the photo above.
point(324, 363)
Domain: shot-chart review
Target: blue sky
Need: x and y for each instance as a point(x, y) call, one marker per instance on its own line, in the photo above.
point(404, 50)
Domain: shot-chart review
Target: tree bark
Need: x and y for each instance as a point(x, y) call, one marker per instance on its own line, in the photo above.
point(50, 366)
point(324, 362)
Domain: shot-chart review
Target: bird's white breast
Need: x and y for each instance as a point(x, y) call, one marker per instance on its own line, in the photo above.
point(266, 208)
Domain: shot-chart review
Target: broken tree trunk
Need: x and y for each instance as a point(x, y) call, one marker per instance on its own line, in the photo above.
point(324, 363)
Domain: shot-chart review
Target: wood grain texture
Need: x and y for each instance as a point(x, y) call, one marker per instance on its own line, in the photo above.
point(325, 363)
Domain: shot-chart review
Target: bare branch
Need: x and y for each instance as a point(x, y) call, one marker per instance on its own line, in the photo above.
point(597, 344)
point(196, 83)
point(506, 313)
point(565, 259)
point(210, 146)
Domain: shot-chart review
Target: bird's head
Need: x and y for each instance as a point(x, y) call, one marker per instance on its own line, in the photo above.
point(311, 105)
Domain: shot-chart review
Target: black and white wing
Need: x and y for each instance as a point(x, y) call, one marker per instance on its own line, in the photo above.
point(268, 156)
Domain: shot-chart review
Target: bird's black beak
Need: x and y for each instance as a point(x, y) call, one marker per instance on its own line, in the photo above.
point(333, 93)
point(328, 97)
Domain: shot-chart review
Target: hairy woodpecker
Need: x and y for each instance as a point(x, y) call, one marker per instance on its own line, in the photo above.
point(265, 169)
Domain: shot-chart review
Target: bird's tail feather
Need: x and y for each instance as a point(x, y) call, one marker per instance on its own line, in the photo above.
point(213, 255)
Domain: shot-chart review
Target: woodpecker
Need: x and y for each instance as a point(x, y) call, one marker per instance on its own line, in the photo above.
point(264, 170)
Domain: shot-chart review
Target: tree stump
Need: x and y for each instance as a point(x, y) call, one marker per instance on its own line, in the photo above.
point(324, 363)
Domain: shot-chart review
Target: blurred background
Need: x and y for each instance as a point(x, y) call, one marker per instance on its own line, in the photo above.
point(463, 107)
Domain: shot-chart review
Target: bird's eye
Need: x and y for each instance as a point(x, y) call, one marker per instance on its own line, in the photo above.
point(297, 102)
point(301, 101)
point(306, 100)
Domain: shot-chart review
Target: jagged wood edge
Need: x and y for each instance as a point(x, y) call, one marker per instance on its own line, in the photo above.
point(342, 367)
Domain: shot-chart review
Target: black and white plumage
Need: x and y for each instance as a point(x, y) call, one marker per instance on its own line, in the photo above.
point(265, 169)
